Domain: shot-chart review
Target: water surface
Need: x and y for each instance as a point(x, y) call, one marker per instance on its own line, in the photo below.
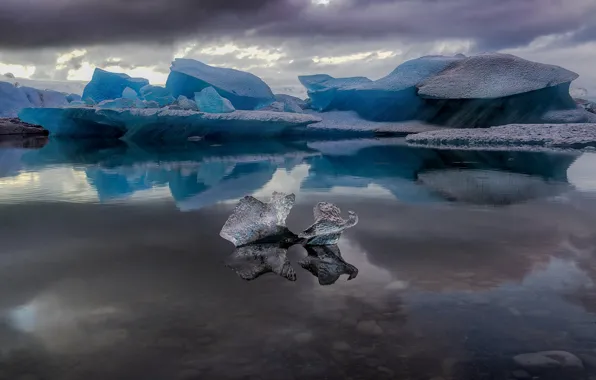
point(111, 264)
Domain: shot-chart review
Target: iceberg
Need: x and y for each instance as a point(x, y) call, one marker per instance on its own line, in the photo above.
point(208, 100)
point(256, 222)
point(153, 124)
point(244, 90)
point(478, 91)
point(328, 225)
point(252, 261)
point(105, 85)
point(291, 100)
point(74, 98)
point(157, 94)
point(325, 263)
point(129, 93)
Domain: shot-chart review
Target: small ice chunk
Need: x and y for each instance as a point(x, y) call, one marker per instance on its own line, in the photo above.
point(158, 94)
point(326, 263)
point(255, 260)
point(210, 101)
point(328, 225)
point(187, 104)
point(129, 93)
point(254, 221)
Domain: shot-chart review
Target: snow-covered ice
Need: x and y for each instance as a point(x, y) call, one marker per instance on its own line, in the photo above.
point(513, 135)
point(245, 90)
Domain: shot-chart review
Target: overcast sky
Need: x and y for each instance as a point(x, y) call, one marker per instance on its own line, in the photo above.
point(280, 39)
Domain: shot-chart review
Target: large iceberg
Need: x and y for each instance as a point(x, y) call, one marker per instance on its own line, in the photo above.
point(163, 124)
point(479, 91)
point(105, 85)
point(246, 91)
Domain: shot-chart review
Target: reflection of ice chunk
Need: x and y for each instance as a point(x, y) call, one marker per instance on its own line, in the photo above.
point(210, 101)
point(105, 85)
point(488, 187)
point(255, 221)
point(244, 90)
point(253, 261)
point(326, 263)
point(328, 225)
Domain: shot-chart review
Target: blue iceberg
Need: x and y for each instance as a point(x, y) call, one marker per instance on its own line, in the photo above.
point(105, 85)
point(208, 100)
point(244, 90)
point(13, 99)
point(186, 104)
point(129, 93)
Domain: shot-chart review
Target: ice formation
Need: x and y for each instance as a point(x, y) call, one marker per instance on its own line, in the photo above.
point(244, 90)
point(186, 104)
point(253, 261)
point(291, 100)
point(254, 221)
point(160, 95)
point(514, 135)
point(129, 93)
point(161, 124)
point(74, 98)
point(325, 263)
point(105, 85)
point(328, 225)
point(208, 100)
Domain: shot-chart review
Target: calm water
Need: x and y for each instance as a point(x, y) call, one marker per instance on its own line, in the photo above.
point(111, 264)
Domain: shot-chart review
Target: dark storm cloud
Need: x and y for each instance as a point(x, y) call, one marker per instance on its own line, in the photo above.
point(492, 24)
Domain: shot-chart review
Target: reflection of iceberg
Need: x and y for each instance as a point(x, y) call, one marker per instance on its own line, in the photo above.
point(253, 261)
point(326, 263)
point(489, 187)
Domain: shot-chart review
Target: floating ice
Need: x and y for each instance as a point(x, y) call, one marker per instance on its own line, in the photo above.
point(105, 85)
point(187, 104)
point(283, 105)
point(328, 225)
point(208, 100)
point(253, 261)
point(73, 98)
point(290, 99)
point(254, 221)
point(160, 95)
point(14, 99)
point(162, 124)
point(244, 90)
point(326, 263)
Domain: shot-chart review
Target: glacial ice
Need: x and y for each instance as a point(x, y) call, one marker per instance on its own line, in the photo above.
point(328, 225)
point(208, 100)
point(290, 99)
point(162, 124)
point(186, 104)
point(14, 99)
point(284, 103)
point(244, 90)
point(254, 221)
point(121, 103)
point(252, 261)
point(325, 263)
point(160, 95)
point(105, 85)
point(74, 98)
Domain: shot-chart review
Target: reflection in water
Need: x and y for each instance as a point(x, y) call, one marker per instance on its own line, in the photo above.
point(326, 263)
point(253, 261)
